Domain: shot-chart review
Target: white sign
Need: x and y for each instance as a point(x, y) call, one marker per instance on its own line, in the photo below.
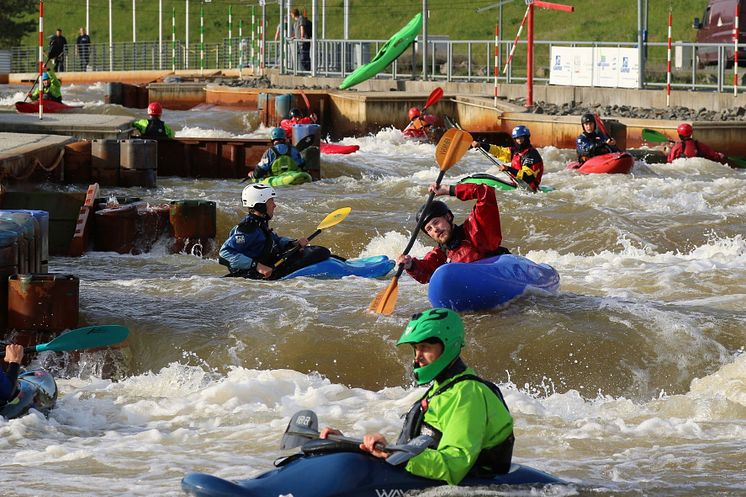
point(600, 66)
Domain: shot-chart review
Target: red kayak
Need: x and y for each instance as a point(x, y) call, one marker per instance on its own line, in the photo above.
point(613, 163)
point(50, 106)
point(335, 148)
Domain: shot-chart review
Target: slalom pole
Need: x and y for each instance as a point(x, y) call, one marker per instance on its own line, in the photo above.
point(262, 25)
point(41, 59)
point(202, 41)
point(497, 50)
point(515, 42)
point(253, 40)
point(668, 61)
point(173, 39)
point(230, 36)
point(735, 51)
point(241, 51)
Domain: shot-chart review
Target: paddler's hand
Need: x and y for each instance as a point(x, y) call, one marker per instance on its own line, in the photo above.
point(13, 353)
point(326, 431)
point(611, 141)
point(265, 271)
point(371, 444)
point(405, 260)
point(302, 242)
point(439, 190)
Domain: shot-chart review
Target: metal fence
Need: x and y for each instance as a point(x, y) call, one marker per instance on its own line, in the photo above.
point(448, 60)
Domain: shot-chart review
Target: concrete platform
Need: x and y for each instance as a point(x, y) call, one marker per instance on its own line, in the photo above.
point(80, 126)
point(22, 154)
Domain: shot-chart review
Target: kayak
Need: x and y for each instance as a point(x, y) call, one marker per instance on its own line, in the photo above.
point(494, 181)
point(386, 55)
point(36, 389)
point(613, 163)
point(343, 474)
point(376, 266)
point(336, 148)
point(489, 283)
point(50, 106)
point(286, 179)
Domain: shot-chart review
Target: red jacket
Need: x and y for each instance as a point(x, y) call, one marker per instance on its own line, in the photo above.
point(693, 148)
point(478, 237)
point(420, 126)
point(287, 124)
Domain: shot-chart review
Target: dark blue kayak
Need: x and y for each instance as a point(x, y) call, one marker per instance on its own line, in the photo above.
point(376, 266)
point(489, 283)
point(36, 389)
point(343, 474)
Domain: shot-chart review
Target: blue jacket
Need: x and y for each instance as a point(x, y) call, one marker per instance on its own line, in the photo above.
point(250, 242)
point(8, 382)
point(592, 144)
point(264, 167)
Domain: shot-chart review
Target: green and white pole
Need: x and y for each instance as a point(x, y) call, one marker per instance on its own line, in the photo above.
point(253, 38)
point(241, 52)
point(201, 40)
point(230, 37)
point(173, 39)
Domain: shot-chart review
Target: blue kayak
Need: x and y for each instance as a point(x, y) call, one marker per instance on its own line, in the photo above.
point(375, 266)
point(343, 474)
point(489, 283)
point(36, 389)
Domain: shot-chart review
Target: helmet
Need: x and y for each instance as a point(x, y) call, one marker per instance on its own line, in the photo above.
point(257, 195)
point(296, 112)
point(413, 112)
point(435, 209)
point(278, 134)
point(155, 109)
point(44, 76)
point(443, 325)
point(588, 118)
point(685, 130)
point(519, 131)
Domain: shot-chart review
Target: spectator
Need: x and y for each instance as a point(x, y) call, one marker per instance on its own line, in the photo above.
point(57, 44)
point(83, 47)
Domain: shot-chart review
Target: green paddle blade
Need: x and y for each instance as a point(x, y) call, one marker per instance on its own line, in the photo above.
point(738, 162)
point(90, 337)
point(650, 135)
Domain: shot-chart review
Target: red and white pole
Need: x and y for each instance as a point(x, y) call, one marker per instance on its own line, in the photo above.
point(735, 51)
point(515, 42)
point(530, 57)
point(41, 58)
point(668, 63)
point(497, 51)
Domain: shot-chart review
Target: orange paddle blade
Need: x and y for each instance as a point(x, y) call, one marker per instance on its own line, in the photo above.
point(451, 147)
point(385, 301)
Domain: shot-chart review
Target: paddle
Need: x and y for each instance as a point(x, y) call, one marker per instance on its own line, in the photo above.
point(303, 426)
point(90, 337)
point(302, 144)
point(308, 106)
point(451, 147)
point(330, 220)
point(434, 97)
point(650, 135)
point(36, 81)
point(600, 125)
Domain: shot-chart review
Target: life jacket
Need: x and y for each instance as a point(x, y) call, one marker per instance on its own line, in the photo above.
point(283, 163)
point(48, 95)
point(689, 148)
point(155, 130)
point(459, 236)
point(533, 161)
point(269, 254)
point(491, 461)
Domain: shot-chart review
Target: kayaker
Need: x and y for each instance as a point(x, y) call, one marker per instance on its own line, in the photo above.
point(9, 376)
point(252, 248)
point(466, 415)
point(50, 86)
point(420, 125)
point(478, 237)
point(296, 117)
point(153, 128)
point(592, 142)
point(525, 162)
point(280, 157)
point(689, 147)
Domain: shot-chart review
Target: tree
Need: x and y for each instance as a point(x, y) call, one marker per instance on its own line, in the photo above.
point(17, 19)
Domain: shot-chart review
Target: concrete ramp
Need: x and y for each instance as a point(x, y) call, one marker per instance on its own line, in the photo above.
point(80, 126)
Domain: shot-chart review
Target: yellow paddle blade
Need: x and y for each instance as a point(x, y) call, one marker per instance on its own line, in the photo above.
point(334, 218)
point(385, 301)
point(451, 147)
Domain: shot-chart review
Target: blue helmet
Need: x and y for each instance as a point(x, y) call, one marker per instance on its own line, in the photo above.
point(519, 131)
point(278, 134)
point(44, 76)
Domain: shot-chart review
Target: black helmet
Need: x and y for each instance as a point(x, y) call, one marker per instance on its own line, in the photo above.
point(588, 118)
point(435, 209)
point(296, 112)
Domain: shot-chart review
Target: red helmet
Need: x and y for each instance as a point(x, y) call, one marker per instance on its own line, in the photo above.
point(685, 130)
point(155, 109)
point(413, 112)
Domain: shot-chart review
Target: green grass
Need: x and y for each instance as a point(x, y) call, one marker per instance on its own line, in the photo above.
point(595, 20)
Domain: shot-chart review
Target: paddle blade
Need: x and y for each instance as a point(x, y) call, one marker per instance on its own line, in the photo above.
point(738, 162)
point(385, 301)
point(403, 453)
point(600, 124)
point(90, 337)
point(650, 135)
point(303, 426)
point(451, 147)
point(305, 99)
point(436, 95)
point(334, 218)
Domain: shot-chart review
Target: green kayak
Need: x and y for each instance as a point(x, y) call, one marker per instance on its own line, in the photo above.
point(386, 55)
point(494, 181)
point(286, 179)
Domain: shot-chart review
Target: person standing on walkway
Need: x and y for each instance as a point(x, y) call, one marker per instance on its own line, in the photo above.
point(303, 32)
point(83, 48)
point(57, 44)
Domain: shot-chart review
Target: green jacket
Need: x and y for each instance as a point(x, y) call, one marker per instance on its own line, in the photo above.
point(470, 417)
point(54, 89)
point(153, 128)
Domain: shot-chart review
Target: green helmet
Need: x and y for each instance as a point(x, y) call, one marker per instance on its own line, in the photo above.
point(444, 325)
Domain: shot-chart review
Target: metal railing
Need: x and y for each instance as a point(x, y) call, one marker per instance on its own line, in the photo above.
point(448, 60)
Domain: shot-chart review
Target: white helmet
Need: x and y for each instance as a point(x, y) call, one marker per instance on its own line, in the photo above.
point(257, 194)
